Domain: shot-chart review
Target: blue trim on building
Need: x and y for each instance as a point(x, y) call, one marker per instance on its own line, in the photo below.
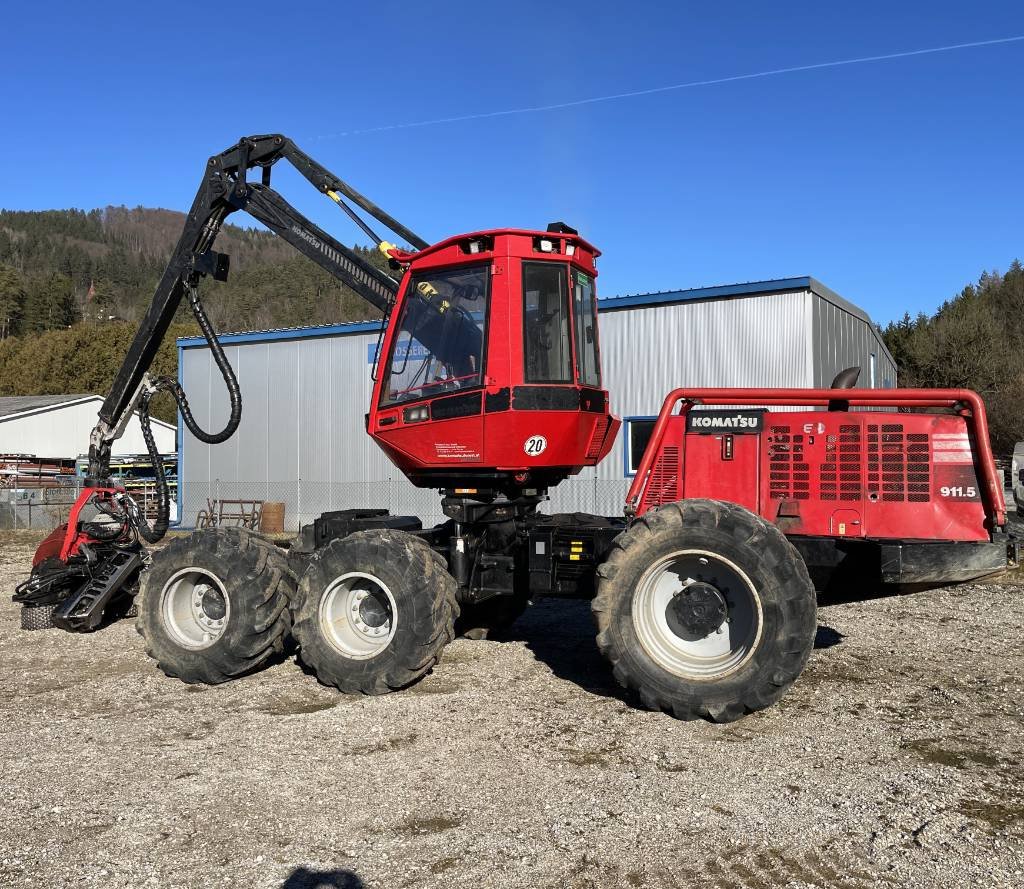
point(289, 333)
point(677, 296)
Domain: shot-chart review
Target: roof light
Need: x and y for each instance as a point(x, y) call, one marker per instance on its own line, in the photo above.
point(474, 246)
point(546, 246)
point(570, 249)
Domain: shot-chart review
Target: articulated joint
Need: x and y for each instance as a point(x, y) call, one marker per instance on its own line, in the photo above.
point(101, 439)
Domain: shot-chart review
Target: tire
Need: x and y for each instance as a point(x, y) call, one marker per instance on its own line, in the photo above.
point(671, 577)
point(404, 605)
point(214, 605)
point(492, 617)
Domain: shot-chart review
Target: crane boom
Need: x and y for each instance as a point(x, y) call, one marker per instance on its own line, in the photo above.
point(224, 189)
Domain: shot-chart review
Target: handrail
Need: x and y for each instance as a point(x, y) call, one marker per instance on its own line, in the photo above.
point(966, 401)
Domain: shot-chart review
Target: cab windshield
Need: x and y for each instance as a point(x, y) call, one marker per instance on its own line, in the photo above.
point(439, 341)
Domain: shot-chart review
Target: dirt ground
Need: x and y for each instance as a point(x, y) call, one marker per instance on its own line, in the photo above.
point(894, 761)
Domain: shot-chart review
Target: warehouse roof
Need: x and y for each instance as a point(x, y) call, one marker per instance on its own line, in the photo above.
point(12, 406)
point(607, 304)
point(724, 291)
point(22, 404)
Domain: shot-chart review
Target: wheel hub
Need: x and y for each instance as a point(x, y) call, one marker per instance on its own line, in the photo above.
point(358, 615)
point(212, 603)
point(697, 614)
point(195, 608)
point(373, 613)
point(696, 610)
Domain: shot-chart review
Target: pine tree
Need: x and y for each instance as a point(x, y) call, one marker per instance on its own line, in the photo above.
point(12, 301)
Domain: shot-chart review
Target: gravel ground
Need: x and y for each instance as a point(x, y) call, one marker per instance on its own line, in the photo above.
point(895, 760)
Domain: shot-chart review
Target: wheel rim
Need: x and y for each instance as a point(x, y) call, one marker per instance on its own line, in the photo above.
point(358, 615)
point(195, 608)
point(676, 611)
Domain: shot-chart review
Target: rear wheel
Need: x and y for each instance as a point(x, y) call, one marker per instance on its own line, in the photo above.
point(374, 611)
point(214, 605)
point(705, 610)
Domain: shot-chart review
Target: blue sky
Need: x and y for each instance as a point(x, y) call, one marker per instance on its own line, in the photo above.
point(894, 182)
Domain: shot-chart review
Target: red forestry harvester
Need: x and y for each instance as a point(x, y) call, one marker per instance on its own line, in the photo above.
point(489, 389)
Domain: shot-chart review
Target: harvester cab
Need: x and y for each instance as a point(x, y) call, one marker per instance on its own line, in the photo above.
point(490, 376)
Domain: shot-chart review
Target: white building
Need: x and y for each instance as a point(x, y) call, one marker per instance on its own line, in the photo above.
point(57, 427)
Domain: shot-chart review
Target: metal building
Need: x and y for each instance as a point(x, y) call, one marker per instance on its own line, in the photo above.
point(305, 392)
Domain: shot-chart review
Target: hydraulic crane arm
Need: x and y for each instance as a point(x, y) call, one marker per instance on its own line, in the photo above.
point(223, 190)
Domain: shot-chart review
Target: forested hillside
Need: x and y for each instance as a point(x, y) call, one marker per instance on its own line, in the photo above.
point(59, 267)
point(74, 283)
point(975, 340)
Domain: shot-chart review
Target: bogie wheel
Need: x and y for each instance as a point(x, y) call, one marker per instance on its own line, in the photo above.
point(214, 605)
point(373, 612)
point(705, 610)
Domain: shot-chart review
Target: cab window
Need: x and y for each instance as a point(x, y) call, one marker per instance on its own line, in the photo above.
point(588, 365)
point(546, 335)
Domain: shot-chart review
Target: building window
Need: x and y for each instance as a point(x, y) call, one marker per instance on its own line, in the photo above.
point(873, 369)
point(636, 433)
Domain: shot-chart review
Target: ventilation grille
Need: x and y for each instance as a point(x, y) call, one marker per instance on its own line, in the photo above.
point(842, 473)
point(663, 485)
point(899, 464)
point(597, 439)
point(789, 476)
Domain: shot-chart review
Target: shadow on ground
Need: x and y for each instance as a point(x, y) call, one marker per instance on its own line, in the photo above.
point(560, 633)
point(305, 878)
point(826, 637)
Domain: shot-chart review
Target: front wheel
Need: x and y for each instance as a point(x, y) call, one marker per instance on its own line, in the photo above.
point(705, 610)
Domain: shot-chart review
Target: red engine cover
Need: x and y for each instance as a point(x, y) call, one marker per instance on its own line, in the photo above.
point(859, 474)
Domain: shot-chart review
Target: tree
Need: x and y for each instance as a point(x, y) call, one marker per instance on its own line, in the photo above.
point(974, 341)
point(12, 301)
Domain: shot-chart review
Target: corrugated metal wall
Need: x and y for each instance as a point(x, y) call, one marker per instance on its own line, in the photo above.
point(843, 340)
point(302, 439)
point(290, 448)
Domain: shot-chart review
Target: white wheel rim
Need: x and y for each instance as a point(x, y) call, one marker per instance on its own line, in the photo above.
point(195, 608)
point(723, 650)
point(358, 615)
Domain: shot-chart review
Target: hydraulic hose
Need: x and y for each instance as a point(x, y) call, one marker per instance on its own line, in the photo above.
point(169, 384)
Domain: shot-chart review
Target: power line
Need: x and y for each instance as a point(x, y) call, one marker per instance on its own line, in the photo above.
point(675, 86)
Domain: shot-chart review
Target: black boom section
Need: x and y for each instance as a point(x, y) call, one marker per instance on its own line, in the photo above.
point(346, 265)
point(223, 190)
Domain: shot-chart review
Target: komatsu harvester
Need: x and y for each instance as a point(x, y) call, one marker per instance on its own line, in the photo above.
point(489, 390)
